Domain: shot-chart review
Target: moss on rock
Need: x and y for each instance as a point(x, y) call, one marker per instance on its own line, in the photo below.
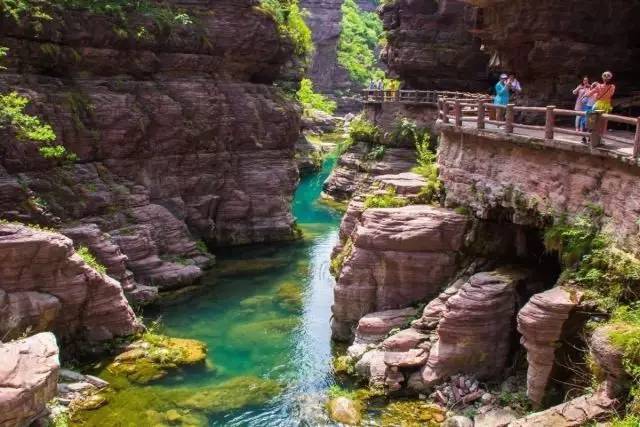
point(412, 413)
point(289, 296)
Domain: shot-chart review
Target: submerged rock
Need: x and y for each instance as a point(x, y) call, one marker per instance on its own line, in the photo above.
point(412, 413)
point(152, 357)
point(28, 375)
point(344, 410)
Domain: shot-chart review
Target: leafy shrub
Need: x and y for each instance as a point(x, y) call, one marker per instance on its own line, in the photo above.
point(624, 333)
point(407, 133)
point(291, 23)
point(386, 200)
point(359, 37)
point(428, 168)
point(609, 275)
point(362, 130)
point(312, 100)
point(628, 421)
point(91, 260)
point(338, 261)
point(376, 152)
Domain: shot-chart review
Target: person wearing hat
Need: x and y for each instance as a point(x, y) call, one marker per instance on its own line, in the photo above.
point(602, 94)
point(502, 94)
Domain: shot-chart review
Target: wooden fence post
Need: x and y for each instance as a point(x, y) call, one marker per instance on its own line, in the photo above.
point(549, 123)
point(596, 131)
point(509, 116)
point(445, 111)
point(457, 113)
point(636, 142)
point(481, 109)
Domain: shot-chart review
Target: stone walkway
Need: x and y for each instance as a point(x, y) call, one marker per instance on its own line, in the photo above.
point(607, 144)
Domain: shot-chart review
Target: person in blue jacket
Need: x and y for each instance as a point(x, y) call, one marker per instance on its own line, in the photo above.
point(502, 94)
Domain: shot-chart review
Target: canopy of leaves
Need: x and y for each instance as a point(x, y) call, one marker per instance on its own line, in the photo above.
point(312, 100)
point(359, 38)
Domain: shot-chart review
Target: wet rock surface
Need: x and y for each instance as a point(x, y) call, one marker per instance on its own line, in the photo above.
point(45, 285)
point(28, 376)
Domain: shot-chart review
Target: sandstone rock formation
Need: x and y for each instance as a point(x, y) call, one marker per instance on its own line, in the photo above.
point(187, 140)
point(44, 285)
point(399, 256)
point(28, 378)
point(545, 42)
point(476, 330)
point(541, 323)
point(430, 46)
point(355, 171)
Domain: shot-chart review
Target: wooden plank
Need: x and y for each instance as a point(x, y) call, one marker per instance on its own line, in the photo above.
point(620, 119)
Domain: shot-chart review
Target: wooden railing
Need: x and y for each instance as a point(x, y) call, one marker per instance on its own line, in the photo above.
point(375, 96)
point(504, 117)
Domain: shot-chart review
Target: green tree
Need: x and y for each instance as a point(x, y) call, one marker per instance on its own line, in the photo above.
point(291, 23)
point(312, 100)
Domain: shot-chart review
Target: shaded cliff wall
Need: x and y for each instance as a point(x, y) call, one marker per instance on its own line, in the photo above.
point(179, 132)
point(552, 44)
point(430, 46)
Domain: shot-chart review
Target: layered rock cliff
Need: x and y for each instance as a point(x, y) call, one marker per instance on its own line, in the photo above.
point(430, 46)
point(179, 133)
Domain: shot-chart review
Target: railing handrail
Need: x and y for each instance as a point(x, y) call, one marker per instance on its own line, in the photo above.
point(448, 104)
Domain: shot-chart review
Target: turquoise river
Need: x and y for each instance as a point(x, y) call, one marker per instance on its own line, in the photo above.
point(264, 313)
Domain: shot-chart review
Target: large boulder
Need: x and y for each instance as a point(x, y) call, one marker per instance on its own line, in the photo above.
point(28, 378)
point(399, 256)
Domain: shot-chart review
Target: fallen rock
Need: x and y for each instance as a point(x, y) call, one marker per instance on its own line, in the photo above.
point(458, 421)
point(374, 327)
point(413, 358)
point(28, 377)
point(345, 411)
point(404, 340)
point(540, 322)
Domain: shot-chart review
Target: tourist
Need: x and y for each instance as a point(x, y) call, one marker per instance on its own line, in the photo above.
point(514, 86)
point(502, 95)
point(380, 85)
point(582, 101)
point(372, 85)
point(602, 95)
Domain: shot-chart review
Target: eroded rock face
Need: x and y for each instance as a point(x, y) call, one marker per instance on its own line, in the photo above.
point(45, 285)
point(28, 378)
point(541, 323)
point(430, 46)
point(187, 140)
point(476, 329)
point(399, 256)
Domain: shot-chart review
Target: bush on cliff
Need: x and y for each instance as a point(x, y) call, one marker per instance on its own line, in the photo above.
point(27, 127)
point(291, 23)
point(91, 260)
point(362, 130)
point(386, 200)
point(359, 38)
point(428, 168)
point(312, 100)
point(624, 333)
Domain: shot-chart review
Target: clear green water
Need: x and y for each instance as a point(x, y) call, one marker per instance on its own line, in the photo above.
point(264, 312)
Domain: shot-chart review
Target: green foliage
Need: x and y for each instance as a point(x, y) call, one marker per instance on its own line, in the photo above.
point(61, 419)
point(624, 333)
point(312, 100)
point(359, 37)
point(338, 261)
point(26, 126)
point(91, 260)
point(428, 168)
point(407, 133)
point(628, 421)
point(517, 400)
point(161, 13)
point(362, 130)
point(291, 23)
point(376, 152)
point(609, 275)
point(202, 246)
point(386, 200)
point(343, 365)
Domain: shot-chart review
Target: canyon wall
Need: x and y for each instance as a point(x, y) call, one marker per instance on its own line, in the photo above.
point(179, 133)
point(430, 46)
